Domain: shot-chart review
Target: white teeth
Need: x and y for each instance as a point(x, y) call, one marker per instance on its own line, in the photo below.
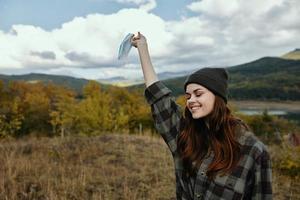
point(195, 108)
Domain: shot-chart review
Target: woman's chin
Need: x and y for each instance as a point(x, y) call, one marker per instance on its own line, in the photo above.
point(197, 116)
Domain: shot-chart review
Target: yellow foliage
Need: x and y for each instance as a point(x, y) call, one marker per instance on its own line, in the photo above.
point(287, 160)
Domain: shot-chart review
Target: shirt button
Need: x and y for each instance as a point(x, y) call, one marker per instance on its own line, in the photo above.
point(202, 173)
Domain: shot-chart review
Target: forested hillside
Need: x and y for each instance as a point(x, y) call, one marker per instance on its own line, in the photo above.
point(67, 81)
point(268, 78)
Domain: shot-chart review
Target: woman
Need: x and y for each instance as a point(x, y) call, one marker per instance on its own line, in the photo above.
point(215, 154)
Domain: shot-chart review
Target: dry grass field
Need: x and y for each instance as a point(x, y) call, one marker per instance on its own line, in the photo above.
point(104, 167)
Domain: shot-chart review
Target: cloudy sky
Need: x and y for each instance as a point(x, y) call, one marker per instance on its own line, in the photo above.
point(81, 37)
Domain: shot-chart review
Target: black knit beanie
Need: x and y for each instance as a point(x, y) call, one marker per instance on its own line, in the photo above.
point(214, 79)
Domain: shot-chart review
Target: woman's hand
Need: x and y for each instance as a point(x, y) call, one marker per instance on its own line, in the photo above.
point(138, 40)
point(140, 43)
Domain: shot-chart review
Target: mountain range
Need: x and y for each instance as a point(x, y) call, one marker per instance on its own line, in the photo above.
point(268, 78)
point(67, 81)
point(125, 82)
point(276, 78)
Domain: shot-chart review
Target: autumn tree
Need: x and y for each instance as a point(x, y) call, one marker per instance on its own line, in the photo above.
point(10, 118)
point(94, 111)
point(63, 112)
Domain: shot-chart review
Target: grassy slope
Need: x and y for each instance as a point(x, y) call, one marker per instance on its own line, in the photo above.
point(103, 167)
point(294, 55)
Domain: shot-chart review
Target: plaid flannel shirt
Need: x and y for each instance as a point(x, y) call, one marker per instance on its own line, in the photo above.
point(251, 178)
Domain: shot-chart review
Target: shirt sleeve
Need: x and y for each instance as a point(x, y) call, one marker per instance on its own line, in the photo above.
point(165, 112)
point(263, 178)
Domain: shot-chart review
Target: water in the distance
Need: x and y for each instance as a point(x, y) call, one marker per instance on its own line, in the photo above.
point(260, 112)
point(295, 116)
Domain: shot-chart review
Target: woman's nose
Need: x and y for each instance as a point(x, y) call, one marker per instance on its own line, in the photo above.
point(191, 99)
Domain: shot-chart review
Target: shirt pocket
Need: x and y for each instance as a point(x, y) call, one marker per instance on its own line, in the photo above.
point(229, 187)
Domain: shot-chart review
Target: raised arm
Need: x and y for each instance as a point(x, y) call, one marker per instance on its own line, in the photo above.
point(140, 43)
point(166, 113)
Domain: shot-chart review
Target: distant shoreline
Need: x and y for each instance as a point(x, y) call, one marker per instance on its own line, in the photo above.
point(290, 106)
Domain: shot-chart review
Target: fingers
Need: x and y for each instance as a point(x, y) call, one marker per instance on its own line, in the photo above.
point(137, 37)
point(133, 41)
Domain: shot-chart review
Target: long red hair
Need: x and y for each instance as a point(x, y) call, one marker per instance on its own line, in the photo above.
point(214, 133)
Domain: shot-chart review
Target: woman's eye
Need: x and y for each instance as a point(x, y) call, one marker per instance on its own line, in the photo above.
point(198, 95)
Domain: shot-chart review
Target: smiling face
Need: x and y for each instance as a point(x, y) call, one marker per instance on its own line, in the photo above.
point(199, 100)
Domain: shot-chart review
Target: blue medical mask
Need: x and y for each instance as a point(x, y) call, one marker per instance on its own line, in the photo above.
point(125, 46)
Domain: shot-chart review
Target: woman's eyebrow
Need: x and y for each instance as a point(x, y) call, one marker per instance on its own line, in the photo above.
point(194, 90)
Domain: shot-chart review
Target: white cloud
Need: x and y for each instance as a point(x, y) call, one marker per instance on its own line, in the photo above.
point(227, 8)
point(250, 29)
point(222, 34)
point(150, 5)
point(90, 41)
point(146, 5)
point(215, 7)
